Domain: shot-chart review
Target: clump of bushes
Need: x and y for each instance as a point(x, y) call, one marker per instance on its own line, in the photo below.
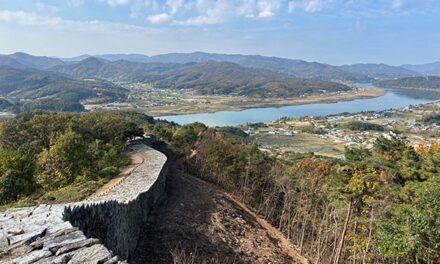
point(432, 119)
point(47, 152)
point(363, 126)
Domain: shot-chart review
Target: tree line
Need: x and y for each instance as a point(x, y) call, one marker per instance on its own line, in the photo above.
point(379, 205)
point(43, 152)
point(375, 206)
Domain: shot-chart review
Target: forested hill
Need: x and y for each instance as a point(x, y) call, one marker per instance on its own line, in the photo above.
point(378, 205)
point(23, 60)
point(122, 70)
point(298, 68)
point(210, 77)
point(294, 67)
point(230, 78)
point(427, 68)
point(375, 70)
point(36, 89)
point(428, 82)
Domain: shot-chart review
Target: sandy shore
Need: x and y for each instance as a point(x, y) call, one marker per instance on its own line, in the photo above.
point(240, 104)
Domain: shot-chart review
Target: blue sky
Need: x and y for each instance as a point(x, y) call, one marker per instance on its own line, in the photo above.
point(331, 31)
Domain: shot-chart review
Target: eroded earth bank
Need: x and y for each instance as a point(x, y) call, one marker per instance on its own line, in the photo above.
point(198, 223)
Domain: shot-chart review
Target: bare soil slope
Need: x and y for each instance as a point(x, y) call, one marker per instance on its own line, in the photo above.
point(198, 223)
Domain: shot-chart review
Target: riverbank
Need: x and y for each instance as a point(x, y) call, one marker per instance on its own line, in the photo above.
point(389, 100)
point(240, 103)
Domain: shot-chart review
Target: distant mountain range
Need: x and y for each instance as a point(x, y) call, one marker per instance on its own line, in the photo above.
point(299, 68)
point(426, 87)
point(296, 68)
point(214, 77)
point(23, 60)
point(428, 68)
point(121, 70)
point(211, 77)
point(427, 82)
point(68, 81)
point(379, 70)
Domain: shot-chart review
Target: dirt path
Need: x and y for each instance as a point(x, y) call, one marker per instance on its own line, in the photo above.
point(136, 159)
point(284, 243)
point(198, 223)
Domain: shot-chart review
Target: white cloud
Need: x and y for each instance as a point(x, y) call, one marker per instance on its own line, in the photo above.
point(267, 8)
point(175, 5)
point(310, 6)
point(114, 3)
point(48, 9)
point(162, 18)
point(24, 18)
point(53, 22)
point(246, 8)
point(211, 12)
point(414, 4)
point(138, 7)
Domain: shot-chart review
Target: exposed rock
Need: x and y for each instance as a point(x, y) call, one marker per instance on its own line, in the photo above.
point(90, 255)
point(4, 242)
point(48, 239)
point(59, 227)
point(113, 260)
point(75, 245)
point(14, 251)
point(63, 241)
point(32, 257)
point(27, 237)
point(15, 231)
point(62, 259)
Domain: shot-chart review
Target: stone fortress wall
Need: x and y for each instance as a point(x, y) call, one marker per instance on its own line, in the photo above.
point(102, 229)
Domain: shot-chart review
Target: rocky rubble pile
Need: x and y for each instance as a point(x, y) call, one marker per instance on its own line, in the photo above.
point(40, 235)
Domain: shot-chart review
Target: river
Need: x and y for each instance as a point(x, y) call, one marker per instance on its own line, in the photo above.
point(391, 99)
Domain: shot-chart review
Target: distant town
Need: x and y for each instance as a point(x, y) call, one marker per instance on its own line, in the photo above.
point(329, 135)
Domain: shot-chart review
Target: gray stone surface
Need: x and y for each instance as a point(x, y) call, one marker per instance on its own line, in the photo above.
point(102, 229)
point(140, 180)
point(117, 217)
point(76, 245)
point(4, 242)
point(33, 256)
point(94, 254)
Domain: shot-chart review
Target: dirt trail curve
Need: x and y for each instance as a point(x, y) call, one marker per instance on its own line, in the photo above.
point(136, 160)
point(199, 223)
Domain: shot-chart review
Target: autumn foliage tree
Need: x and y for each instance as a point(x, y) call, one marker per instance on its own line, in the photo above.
point(48, 151)
point(375, 206)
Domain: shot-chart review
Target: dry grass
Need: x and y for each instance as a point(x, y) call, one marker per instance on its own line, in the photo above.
point(180, 255)
point(303, 143)
point(183, 256)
